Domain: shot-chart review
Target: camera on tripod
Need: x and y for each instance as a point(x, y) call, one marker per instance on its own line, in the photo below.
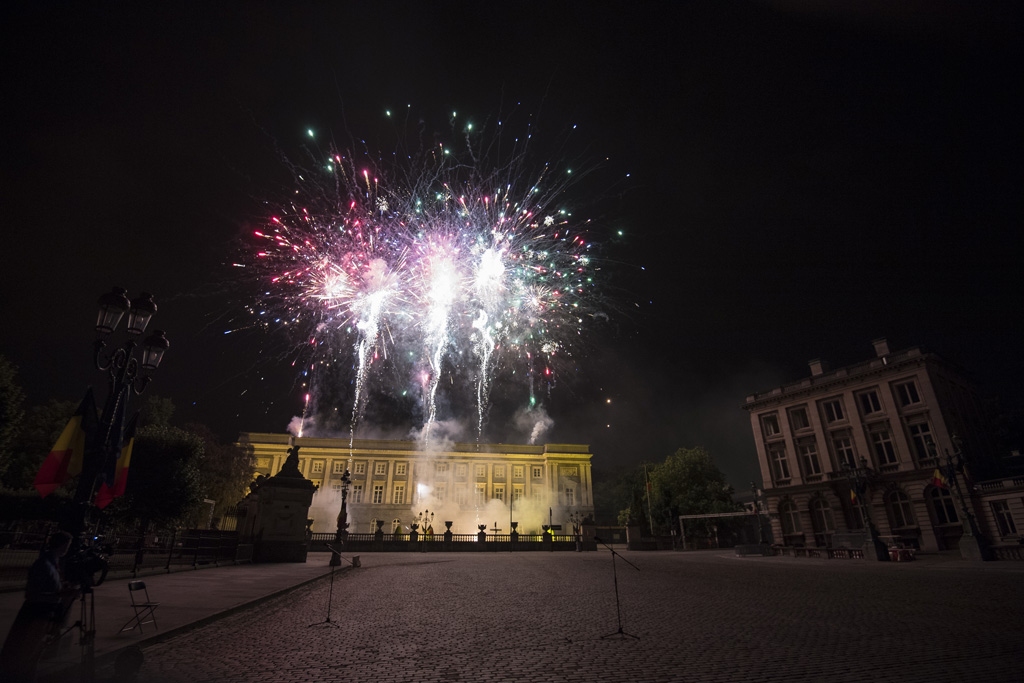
point(87, 566)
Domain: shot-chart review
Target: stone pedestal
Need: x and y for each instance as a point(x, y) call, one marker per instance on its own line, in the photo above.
point(975, 548)
point(281, 507)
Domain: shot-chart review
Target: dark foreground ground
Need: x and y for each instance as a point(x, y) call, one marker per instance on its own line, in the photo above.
point(707, 616)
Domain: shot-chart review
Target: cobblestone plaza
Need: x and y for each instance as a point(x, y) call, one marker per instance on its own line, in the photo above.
point(705, 616)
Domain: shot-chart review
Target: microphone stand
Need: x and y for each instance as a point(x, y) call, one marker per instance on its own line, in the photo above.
point(615, 578)
point(330, 593)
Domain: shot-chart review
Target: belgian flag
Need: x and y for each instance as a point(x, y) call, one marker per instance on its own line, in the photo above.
point(120, 480)
point(853, 496)
point(939, 479)
point(68, 454)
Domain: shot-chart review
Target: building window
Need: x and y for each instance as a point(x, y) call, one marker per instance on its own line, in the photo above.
point(780, 466)
point(338, 467)
point(399, 496)
point(885, 452)
point(770, 424)
point(441, 468)
point(499, 493)
point(318, 467)
point(396, 526)
point(943, 507)
point(378, 494)
point(921, 437)
point(1004, 520)
point(460, 470)
point(517, 471)
point(808, 452)
point(373, 526)
point(481, 471)
point(907, 393)
point(481, 494)
point(460, 494)
point(869, 403)
point(901, 511)
point(336, 487)
point(357, 493)
point(400, 469)
point(517, 494)
point(833, 411)
point(360, 468)
point(842, 445)
point(499, 471)
point(822, 521)
point(538, 494)
point(380, 468)
point(538, 472)
point(790, 518)
point(440, 493)
point(798, 418)
point(570, 497)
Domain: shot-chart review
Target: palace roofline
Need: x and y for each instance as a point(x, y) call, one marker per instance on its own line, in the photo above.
point(411, 446)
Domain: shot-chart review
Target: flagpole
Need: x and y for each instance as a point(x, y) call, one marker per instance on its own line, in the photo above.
point(650, 517)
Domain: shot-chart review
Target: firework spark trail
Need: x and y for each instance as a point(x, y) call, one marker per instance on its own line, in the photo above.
point(459, 264)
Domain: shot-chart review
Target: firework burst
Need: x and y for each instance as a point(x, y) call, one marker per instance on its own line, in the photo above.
point(439, 270)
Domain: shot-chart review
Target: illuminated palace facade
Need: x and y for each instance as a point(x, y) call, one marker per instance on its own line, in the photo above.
point(392, 479)
point(888, 424)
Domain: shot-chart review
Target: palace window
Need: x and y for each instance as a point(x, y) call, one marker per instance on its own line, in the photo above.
point(808, 452)
point(770, 424)
point(798, 418)
point(869, 403)
point(461, 496)
point(538, 494)
point(842, 444)
point(1004, 519)
point(440, 493)
point(907, 393)
point(538, 472)
point(833, 410)
point(373, 526)
point(380, 468)
point(460, 471)
point(400, 468)
point(901, 511)
point(943, 507)
point(481, 471)
point(338, 467)
point(399, 495)
point(378, 494)
point(499, 471)
point(570, 497)
point(517, 471)
point(357, 493)
point(499, 493)
point(780, 466)
point(822, 521)
point(481, 494)
point(318, 467)
point(885, 451)
point(790, 518)
point(441, 468)
point(360, 468)
point(517, 494)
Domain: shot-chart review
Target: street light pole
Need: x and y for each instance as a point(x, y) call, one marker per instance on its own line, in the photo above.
point(860, 478)
point(341, 535)
point(973, 544)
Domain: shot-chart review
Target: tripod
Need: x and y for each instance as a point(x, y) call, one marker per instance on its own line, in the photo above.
point(335, 560)
point(615, 577)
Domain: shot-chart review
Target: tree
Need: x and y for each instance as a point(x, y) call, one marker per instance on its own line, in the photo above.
point(688, 483)
point(40, 430)
point(12, 414)
point(156, 411)
point(163, 479)
point(225, 470)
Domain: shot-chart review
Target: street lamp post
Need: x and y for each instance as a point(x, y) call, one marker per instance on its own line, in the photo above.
point(127, 375)
point(859, 478)
point(973, 544)
point(757, 512)
point(341, 535)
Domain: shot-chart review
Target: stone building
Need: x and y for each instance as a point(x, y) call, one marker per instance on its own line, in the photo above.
point(465, 483)
point(882, 427)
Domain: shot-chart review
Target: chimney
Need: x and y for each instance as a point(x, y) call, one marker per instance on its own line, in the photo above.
point(881, 347)
point(818, 367)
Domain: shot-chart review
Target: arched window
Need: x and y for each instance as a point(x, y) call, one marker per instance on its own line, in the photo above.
point(822, 521)
point(790, 518)
point(396, 526)
point(901, 511)
point(373, 526)
point(942, 506)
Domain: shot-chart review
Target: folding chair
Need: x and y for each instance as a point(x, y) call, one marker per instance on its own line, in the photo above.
point(144, 609)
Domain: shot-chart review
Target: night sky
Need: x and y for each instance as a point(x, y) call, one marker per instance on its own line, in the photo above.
point(802, 178)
